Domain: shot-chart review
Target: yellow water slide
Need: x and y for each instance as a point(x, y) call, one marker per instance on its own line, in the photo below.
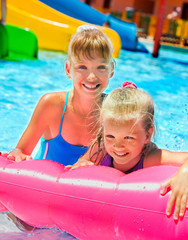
point(52, 28)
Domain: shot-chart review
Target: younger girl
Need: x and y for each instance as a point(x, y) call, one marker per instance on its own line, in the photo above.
point(64, 119)
point(124, 142)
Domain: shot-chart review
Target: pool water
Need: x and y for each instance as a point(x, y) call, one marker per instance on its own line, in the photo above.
point(165, 79)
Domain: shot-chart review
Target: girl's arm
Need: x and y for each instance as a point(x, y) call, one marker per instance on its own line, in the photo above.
point(86, 160)
point(83, 161)
point(39, 122)
point(178, 183)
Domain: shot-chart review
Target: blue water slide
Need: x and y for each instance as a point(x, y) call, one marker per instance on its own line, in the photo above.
point(82, 11)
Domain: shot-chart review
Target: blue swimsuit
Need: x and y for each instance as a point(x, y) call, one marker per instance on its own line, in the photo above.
point(58, 150)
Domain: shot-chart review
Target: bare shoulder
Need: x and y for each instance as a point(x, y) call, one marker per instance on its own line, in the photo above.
point(164, 157)
point(153, 156)
point(50, 104)
point(54, 98)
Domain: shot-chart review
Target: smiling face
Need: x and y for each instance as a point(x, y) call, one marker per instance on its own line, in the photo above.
point(125, 142)
point(90, 76)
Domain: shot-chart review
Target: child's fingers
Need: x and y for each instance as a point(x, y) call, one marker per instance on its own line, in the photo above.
point(82, 164)
point(19, 158)
point(177, 208)
point(179, 195)
point(71, 167)
point(68, 167)
point(28, 157)
point(180, 202)
point(22, 157)
point(4, 154)
point(180, 207)
point(170, 204)
point(165, 187)
point(183, 205)
point(10, 157)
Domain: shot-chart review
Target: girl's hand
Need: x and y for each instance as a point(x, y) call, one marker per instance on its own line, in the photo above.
point(179, 196)
point(80, 163)
point(17, 155)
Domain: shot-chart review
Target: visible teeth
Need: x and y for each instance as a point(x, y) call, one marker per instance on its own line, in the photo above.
point(91, 87)
point(120, 154)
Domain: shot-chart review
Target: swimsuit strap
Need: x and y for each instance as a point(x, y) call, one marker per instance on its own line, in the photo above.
point(66, 101)
point(138, 166)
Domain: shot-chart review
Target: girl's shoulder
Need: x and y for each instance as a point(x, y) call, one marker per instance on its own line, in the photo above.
point(156, 156)
point(151, 149)
point(53, 99)
point(152, 156)
point(51, 104)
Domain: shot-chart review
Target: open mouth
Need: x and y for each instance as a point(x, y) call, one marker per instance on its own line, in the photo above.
point(120, 154)
point(91, 87)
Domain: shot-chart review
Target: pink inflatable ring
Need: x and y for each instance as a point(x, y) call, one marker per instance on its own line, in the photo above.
point(90, 202)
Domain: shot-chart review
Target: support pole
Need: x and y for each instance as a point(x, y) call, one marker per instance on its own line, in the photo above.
point(159, 27)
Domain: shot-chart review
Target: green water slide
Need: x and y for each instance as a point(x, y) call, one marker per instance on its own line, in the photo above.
point(17, 43)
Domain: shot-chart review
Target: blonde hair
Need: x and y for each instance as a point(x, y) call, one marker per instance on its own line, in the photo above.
point(89, 42)
point(127, 103)
point(122, 105)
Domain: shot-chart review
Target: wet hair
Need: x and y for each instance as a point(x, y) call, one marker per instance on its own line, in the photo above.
point(89, 42)
point(120, 106)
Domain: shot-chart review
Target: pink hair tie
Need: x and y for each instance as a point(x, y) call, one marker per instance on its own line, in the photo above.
point(129, 84)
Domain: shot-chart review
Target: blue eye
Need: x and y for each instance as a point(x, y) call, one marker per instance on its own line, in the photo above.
point(128, 137)
point(109, 136)
point(102, 67)
point(81, 67)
